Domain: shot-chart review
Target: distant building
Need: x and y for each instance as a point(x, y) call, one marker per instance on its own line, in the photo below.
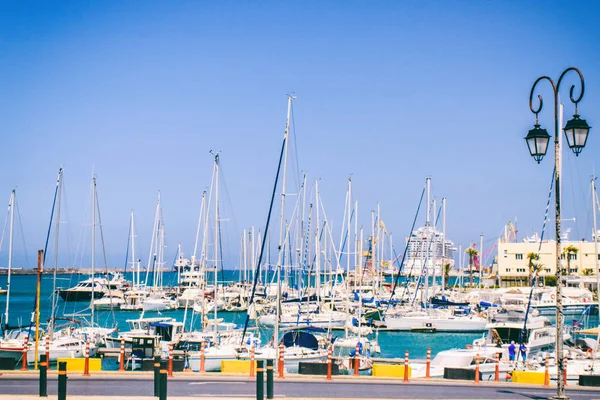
point(513, 265)
point(427, 247)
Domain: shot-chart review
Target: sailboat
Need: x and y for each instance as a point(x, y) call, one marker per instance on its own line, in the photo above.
point(299, 343)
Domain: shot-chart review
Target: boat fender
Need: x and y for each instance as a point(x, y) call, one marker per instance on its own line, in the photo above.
point(553, 296)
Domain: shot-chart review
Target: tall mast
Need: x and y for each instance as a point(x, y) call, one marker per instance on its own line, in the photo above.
point(595, 236)
point(136, 271)
point(428, 182)
point(282, 219)
point(11, 207)
point(357, 245)
point(443, 244)
point(93, 246)
point(152, 243)
point(348, 226)
point(480, 259)
point(317, 243)
point(54, 297)
point(433, 254)
point(216, 240)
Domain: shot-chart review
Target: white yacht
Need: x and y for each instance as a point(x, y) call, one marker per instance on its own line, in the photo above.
point(438, 320)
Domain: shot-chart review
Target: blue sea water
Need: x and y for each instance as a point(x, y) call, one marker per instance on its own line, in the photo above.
point(22, 301)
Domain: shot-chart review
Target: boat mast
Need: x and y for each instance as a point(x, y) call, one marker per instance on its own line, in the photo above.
point(433, 254)
point(93, 246)
point(443, 244)
point(281, 222)
point(136, 272)
point(54, 297)
point(216, 242)
point(11, 207)
point(595, 236)
point(348, 226)
point(152, 242)
point(480, 260)
point(357, 245)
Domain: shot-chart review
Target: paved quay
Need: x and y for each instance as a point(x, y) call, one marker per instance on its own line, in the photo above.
point(16, 385)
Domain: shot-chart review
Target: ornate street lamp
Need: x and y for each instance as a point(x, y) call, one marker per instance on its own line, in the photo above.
point(537, 139)
point(576, 131)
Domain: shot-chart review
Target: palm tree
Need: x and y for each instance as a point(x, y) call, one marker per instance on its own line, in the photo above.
point(533, 267)
point(472, 252)
point(568, 251)
point(447, 269)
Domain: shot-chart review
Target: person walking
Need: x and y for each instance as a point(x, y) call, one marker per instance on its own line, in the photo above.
point(511, 351)
point(523, 350)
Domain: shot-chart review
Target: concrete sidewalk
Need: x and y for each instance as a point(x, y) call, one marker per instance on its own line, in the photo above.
point(70, 397)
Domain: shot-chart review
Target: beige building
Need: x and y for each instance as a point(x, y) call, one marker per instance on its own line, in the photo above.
point(513, 265)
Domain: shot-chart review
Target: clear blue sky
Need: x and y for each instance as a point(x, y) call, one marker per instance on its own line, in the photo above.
point(390, 92)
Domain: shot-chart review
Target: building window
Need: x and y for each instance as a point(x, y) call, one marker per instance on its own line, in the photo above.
point(572, 256)
point(518, 256)
point(562, 256)
point(548, 270)
point(507, 269)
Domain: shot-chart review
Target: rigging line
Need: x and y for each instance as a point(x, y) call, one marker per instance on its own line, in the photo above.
point(297, 159)
point(534, 278)
point(4, 229)
point(112, 309)
point(263, 242)
point(22, 232)
point(223, 182)
point(575, 170)
point(406, 248)
point(221, 254)
point(127, 250)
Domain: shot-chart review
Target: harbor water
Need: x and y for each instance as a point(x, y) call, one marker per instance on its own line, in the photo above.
point(392, 344)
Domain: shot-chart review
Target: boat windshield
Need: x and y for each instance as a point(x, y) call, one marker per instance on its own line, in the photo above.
point(511, 334)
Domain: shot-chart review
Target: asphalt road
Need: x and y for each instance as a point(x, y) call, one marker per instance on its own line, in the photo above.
point(235, 387)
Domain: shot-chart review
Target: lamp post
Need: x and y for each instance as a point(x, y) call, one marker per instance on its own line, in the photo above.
point(576, 131)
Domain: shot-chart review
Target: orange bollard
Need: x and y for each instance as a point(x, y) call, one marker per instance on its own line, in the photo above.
point(202, 357)
point(497, 369)
point(280, 364)
point(428, 365)
point(565, 373)
point(476, 369)
point(170, 365)
point(86, 362)
point(122, 356)
point(48, 352)
point(546, 374)
point(356, 359)
point(252, 361)
point(24, 356)
point(406, 366)
point(329, 355)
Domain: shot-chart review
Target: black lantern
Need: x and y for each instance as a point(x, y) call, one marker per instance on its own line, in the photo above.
point(576, 131)
point(537, 141)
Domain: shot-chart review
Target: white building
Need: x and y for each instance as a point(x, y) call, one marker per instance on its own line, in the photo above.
point(513, 264)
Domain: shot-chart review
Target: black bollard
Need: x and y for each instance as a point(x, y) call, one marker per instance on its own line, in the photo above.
point(270, 379)
point(62, 380)
point(156, 375)
point(260, 380)
point(43, 376)
point(163, 381)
